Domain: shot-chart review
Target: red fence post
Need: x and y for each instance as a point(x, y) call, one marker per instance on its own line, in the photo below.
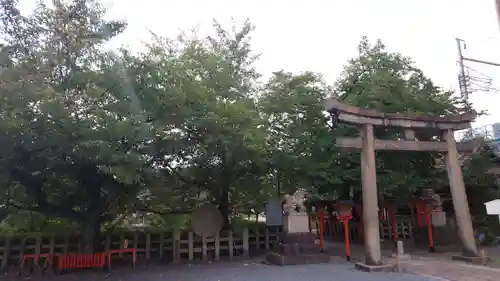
point(321, 213)
point(346, 237)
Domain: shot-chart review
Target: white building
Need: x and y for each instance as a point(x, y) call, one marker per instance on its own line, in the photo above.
point(496, 131)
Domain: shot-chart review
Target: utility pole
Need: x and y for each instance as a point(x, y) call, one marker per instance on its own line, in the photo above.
point(462, 78)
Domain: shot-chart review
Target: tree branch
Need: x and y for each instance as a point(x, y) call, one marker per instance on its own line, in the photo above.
point(167, 212)
point(50, 210)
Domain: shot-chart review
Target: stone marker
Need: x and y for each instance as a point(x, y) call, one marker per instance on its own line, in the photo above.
point(274, 213)
point(400, 255)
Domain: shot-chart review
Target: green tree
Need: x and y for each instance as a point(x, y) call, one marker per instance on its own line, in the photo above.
point(301, 145)
point(209, 132)
point(390, 82)
point(73, 142)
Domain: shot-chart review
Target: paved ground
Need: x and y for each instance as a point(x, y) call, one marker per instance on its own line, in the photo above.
point(421, 267)
point(436, 268)
point(241, 271)
point(451, 270)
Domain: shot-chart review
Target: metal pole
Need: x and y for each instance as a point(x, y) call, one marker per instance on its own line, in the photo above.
point(481, 61)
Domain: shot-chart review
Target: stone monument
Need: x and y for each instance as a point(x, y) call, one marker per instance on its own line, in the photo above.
point(207, 221)
point(274, 213)
point(298, 243)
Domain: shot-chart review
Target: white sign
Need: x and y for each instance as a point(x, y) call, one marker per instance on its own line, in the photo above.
point(496, 131)
point(493, 207)
point(438, 218)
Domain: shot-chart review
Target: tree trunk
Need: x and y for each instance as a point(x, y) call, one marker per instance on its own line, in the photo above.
point(226, 181)
point(31, 222)
point(91, 232)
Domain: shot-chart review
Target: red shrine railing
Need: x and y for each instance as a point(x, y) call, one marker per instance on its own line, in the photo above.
point(68, 261)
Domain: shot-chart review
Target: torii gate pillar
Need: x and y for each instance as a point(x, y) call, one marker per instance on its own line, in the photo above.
point(459, 197)
point(370, 201)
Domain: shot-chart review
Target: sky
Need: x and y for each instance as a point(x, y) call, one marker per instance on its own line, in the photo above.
point(321, 35)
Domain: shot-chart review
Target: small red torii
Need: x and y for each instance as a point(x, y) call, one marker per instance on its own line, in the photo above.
point(343, 212)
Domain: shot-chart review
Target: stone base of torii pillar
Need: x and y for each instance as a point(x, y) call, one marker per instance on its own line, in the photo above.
point(298, 244)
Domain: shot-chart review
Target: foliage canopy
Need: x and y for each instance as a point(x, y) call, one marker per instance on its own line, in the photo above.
point(90, 137)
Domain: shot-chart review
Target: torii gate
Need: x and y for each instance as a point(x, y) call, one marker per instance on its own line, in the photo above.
point(443, 127)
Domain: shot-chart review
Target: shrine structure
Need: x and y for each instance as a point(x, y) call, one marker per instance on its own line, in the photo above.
point(417, 133)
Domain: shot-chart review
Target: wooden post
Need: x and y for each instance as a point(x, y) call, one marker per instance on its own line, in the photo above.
point(66, 245)
point(245, 242)
point(176, 247)
point(190, 246)
point(162, 245)
point(80, 242)
point(257, 238)
point(122, 241)
point(309, 224)
point(230, 245)
point(136, 240)
point(52, 245)
point(148, 246)
point(6, 252)
point(107, 245)
point(267, 238)
point(217, 247)
point(22, 249)
point(38, 248)
point(204, 254)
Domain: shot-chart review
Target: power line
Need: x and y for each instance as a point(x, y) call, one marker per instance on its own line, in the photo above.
point(477, 81)
point(467, 83)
